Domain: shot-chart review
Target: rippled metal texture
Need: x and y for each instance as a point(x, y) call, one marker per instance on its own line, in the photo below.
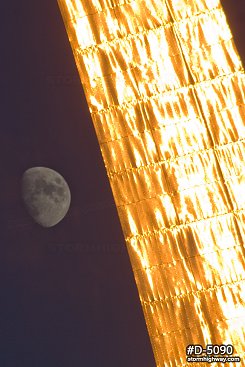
point(165, 87)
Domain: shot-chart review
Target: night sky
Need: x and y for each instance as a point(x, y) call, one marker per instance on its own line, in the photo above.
point(68, 296)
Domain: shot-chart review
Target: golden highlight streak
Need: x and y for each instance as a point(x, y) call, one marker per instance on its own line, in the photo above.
point(165, 87)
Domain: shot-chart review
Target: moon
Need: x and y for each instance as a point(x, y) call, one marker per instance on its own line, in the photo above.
point(46, 195)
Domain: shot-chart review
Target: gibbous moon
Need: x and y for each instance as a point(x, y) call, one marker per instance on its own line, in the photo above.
point(46, 195)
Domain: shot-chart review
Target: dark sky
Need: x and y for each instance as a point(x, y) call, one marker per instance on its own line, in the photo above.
point(68, 297)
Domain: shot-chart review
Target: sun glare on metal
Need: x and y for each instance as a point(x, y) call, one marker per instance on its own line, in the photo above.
point(165, 87)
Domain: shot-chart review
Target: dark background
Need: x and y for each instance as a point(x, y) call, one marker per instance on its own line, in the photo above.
point(68, 296)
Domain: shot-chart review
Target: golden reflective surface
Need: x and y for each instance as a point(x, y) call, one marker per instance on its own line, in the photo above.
point(165, 87)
